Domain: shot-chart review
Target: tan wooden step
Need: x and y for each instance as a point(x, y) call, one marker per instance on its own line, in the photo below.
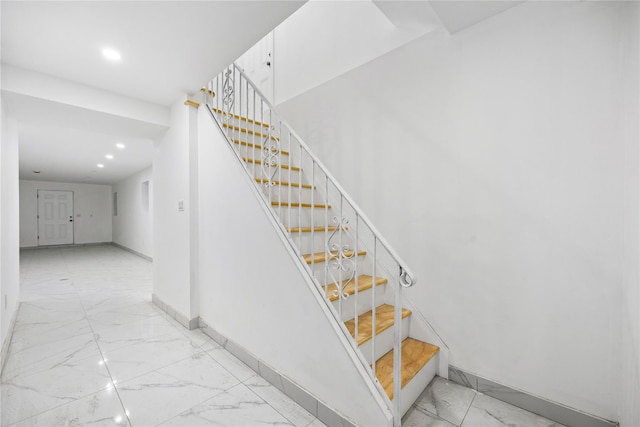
point(259, 162)
point(308, 229)
point(384, 320)
point(256, 146)
point(299, 205)
point(235, 116)
point(213, 95)
point(286, 184)
point(322, 256)
point(249, 131)
point(415, 355)
point(364, 282)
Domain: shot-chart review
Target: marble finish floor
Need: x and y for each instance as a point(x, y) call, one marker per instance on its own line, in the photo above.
point(90, 349)
point(446, 404)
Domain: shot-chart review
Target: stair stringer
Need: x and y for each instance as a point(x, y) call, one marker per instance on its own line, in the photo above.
point(420, 328)
point(255, 291)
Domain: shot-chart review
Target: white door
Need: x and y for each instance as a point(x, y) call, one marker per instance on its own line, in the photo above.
point(55, 217)
point(258, 64)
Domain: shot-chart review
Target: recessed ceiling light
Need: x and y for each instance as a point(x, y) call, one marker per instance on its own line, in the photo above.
point(35, 171)
point(109, 156)
point(120, 145)
point(111, 54)
point(100, 165)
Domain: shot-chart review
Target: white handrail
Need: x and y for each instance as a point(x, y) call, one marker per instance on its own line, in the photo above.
point(267, 139)
point(342, 191)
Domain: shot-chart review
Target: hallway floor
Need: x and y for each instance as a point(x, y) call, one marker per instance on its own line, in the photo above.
point(89, 348)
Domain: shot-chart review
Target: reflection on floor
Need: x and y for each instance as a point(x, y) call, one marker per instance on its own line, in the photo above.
point(89, 348)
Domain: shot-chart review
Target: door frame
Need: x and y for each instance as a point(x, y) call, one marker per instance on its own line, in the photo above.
point(73, 223)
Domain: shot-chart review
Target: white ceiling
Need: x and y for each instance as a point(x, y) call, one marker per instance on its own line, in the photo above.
point(460, 14)
point(40, 151)
point(168, 48)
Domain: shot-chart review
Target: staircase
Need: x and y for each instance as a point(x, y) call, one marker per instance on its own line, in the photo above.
point(359, 275)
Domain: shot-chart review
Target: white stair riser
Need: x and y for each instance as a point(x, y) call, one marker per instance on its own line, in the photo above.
point(352, 306)
point(285, 175)
point(281, 193)
point(384, 342)
point(251, 131)
point(258, 154)
point(318, 242)
point(330, 274)
point(303, 217)
point(414, 388)
point(244, 124)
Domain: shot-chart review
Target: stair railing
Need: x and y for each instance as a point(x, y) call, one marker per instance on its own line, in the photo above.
point(334, 239)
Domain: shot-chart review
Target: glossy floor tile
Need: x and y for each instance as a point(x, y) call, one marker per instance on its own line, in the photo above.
point(90, 349)
point(446, 404)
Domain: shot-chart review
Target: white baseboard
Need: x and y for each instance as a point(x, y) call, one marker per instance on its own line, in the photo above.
point(546, 408)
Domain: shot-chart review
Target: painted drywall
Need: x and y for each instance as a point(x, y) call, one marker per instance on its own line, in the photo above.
point(493, 161)
point(133, 224)
point(9, 237)
point(630, 311)
point(91, 211)
point(171, 223)
point(37, 85)
point(253, 292)
point(2, 334)
point(324, 39)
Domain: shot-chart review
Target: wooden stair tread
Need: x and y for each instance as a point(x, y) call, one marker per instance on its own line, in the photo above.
point(364, 282)
point(321, 256)
point(308, 229)
point(298, 205)
point(286, 184)
point(249, 131)
point(235, 116)
point(257, 146)
point(415, 355)
point(384, 320)
point(259, 162)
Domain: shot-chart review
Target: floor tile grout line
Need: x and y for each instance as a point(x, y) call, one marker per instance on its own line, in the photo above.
point(224, 367)
point(475, 394)
point(80, 397)
point(275, 409)
point(43, 369)
point(2, 381)
point(113, 384)
point(199, 403)
point(428, 412)
point(54, 408)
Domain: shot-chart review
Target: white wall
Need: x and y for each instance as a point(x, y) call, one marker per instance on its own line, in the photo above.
point(630, 311)
point(91, 207)
point(42, 86)
point(9, 237)
point(324, 39)
point(254, 293)
point(493, 161)
point(171, 226)
point(133, 226)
